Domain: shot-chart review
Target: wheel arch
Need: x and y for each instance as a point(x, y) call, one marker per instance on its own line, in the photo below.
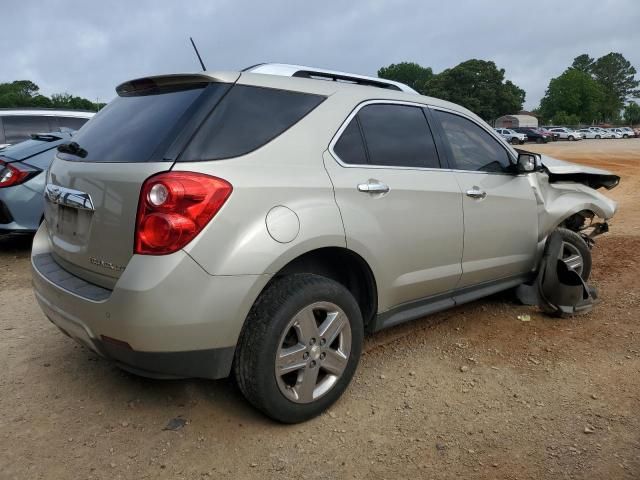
point(342, 265)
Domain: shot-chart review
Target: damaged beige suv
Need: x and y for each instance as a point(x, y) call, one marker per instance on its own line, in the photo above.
point(258, 223)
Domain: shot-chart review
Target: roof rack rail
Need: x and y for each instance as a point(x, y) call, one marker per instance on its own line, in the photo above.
point(301, 71)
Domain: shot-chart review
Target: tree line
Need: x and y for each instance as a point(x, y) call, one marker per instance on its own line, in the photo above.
point(25, 93)
point(589, 91)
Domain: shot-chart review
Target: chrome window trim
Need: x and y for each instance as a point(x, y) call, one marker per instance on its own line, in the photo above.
point(361, 105)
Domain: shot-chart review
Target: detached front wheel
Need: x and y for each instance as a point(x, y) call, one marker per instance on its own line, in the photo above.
point(299, 348)
point(576, 253)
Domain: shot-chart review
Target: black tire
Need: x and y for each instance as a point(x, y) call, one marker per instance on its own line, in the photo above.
point(267, 322)
point(597, 137)
point(515, 141)
point(571, 138)
point(539, 140)
point(573, 238)
point(625, 136)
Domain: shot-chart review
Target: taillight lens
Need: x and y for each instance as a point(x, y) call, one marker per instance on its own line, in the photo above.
point(14, 174)
point(174, 207)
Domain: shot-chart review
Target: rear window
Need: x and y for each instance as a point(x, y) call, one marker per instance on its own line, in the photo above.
point(135, 128)
point(28, 148)
point(74, 123)
point(246, 119)
point(20, 127)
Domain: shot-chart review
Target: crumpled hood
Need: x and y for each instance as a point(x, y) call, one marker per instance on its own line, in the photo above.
point(561, 171)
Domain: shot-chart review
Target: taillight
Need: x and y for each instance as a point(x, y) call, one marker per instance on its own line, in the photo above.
point(14, 174)
point(174, 207)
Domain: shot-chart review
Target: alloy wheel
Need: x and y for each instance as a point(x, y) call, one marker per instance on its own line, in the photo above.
point(313, 352)
point(572, 258)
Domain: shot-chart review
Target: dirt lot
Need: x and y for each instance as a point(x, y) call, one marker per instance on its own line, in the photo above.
point(547, 398)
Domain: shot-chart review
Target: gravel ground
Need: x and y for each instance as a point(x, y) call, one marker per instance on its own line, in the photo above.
point(473, 392)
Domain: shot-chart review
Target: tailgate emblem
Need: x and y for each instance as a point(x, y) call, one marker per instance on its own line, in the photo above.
point(68, 197)
point(104, 264)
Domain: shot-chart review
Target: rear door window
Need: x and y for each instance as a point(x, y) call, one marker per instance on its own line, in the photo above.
point(395, 136)
point(136, 127)
point(246, 119)
point(350, 146)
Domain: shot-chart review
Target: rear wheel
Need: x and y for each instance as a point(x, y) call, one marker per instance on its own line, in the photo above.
point(576, 252)
point(539, 140)
point(299, 348)
point(571, 138)
point(515, 141)
point(598, 137)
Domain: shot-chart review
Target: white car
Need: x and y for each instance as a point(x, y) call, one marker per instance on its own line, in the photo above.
point(567, 133)
point(587, 133)
point(629, 131)
point(512, 136)
point(617, 133)
point(606, 133)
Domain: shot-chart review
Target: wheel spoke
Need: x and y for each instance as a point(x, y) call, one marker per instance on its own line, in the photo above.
point(306, 326)
point(335, 362)
point(291, 359)
point(573, 262)
point(307, 384)
point(332, 326)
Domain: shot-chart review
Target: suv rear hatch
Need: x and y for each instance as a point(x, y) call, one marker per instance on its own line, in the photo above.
point(94, 184)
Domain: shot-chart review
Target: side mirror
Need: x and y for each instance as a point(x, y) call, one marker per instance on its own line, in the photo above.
point(528, 162)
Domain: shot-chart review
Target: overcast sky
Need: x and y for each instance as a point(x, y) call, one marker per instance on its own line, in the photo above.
point(86, 48)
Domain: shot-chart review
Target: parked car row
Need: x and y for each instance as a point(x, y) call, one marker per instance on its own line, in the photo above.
point(520, 135)
point(570, 134)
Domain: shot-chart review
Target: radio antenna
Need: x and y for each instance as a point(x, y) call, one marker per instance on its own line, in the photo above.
point(204, 69)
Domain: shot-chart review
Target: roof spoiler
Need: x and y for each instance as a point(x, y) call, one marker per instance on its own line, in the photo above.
point(156, 84)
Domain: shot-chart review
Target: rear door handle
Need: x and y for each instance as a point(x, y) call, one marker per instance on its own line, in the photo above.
point(373, 187)
point(475, 192)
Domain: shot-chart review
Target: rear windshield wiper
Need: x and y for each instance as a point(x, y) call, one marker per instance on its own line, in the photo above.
point(73, 148)
point(45, 137)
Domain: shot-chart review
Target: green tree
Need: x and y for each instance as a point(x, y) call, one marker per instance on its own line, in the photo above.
point(25, 93)
point(574, 93)
point(632, 113)
point(478, 85)
point(408, 73)
point(583, 63)
point(616, 77)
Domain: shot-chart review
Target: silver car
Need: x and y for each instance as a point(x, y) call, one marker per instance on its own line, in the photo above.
point(258, 223)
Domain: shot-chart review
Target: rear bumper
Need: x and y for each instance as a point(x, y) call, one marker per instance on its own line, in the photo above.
point(165, 317)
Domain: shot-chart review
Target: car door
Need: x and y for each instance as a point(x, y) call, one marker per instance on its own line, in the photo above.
point(401, 212)
point(500, 210)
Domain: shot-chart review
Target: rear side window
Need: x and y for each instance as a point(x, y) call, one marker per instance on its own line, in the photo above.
point(19, 127)
point(136, 128)
point(472, 148)
point(398, 135)
point(246, 119)
point(350, 147)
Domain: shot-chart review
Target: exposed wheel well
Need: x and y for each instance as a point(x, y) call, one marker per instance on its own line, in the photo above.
point(576, 221)
point(345, 267)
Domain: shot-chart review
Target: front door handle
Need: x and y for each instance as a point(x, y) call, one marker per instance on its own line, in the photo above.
point(475, 192)
point(373, 187)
